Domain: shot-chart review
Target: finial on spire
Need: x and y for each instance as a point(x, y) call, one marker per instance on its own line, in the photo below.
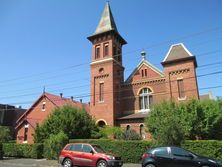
point(143, 54)
point(43, 89)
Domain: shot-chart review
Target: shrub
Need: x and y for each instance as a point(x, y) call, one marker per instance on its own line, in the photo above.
point(209, 148)
point(23, 150)
point(37, 151)
point(54, 144)
point(5, 134)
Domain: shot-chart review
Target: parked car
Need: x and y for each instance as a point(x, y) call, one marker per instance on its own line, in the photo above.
point(83, 154)
point(176, 157)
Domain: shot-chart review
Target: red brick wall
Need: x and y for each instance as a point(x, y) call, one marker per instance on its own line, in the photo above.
point(150, 74)
point(181, 70)
point(112, 76)
point(35, 115)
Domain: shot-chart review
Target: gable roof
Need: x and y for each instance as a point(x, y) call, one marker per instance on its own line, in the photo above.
point(178, 52)
point(106, 22)
point(58, 101)
point(144, 62)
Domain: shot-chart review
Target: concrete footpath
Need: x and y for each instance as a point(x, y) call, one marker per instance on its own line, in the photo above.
point(39, 163)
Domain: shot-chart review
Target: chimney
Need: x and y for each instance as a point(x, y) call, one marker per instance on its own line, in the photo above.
point(80, 100)
point(61, 95)
point(71, 98)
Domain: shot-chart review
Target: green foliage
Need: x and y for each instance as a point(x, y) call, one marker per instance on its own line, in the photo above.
point(69, 120)
point(110, 132)
point(23, 150)
point(212, 123)
point(171, 123)
point(130, 135)
point(54, 144)
point(5, 134)
point(118, 133)
point(209, 148)
point(1, 151)
point(163, 123)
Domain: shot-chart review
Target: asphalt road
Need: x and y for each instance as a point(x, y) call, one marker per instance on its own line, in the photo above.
point(39, 163)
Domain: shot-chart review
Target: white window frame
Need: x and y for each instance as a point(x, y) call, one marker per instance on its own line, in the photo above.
point(143, 95)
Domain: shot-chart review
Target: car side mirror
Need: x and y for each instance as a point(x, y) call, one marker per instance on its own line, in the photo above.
point(92, 152)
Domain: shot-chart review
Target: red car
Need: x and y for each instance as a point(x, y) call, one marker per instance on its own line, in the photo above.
point(82, 154)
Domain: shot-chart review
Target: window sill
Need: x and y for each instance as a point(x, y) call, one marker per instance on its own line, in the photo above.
point(144, 110)
point(101, 102)
point(182, 98)
point(25, 142)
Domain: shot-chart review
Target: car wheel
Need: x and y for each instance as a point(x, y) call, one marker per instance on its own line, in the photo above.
point(67, 163)
point(150, 165)
point(102, 163)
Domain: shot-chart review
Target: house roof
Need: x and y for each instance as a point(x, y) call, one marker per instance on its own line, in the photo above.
point(144, 62)
point(139, 115)
point(58, 101)
point(106, 22)
point(178, 52)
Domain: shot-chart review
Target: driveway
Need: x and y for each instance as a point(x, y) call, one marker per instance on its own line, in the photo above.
point(39, 163)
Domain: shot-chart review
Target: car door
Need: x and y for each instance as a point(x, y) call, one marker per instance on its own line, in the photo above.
point(75, 153)
point(162, 157)
point(87, 155)
point(182, 158)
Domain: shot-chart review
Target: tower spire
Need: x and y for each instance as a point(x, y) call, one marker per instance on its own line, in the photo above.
point(106, 22)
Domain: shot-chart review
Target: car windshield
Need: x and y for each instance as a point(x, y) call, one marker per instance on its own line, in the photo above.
point(98, 149)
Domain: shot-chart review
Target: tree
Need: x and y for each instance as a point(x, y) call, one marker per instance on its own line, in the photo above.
point(170, 123)
point(163, 123)
point(213, 119)
point(75, 123)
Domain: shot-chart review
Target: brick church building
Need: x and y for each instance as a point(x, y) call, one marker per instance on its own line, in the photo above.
point(115, 102)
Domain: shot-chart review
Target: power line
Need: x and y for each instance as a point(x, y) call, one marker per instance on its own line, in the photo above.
point(79, 96)
point(150, 46)
point(127, 97)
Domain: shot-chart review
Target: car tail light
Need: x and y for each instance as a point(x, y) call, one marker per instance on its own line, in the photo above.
point(146, 155)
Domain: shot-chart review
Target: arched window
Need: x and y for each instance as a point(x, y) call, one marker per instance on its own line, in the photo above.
point(101, 124)
point(127, 127)
point(146, 99)
point(142, 132)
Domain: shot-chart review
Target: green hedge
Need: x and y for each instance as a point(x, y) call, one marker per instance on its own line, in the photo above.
point(1, 151)
point(209, 148)
point(23, 150)
point(132, 151)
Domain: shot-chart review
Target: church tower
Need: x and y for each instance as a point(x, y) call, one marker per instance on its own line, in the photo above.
point(106, 70)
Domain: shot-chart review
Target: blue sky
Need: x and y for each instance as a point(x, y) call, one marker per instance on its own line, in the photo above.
point(43, 42)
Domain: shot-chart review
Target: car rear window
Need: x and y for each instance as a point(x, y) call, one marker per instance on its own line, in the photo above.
point(160, 151)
